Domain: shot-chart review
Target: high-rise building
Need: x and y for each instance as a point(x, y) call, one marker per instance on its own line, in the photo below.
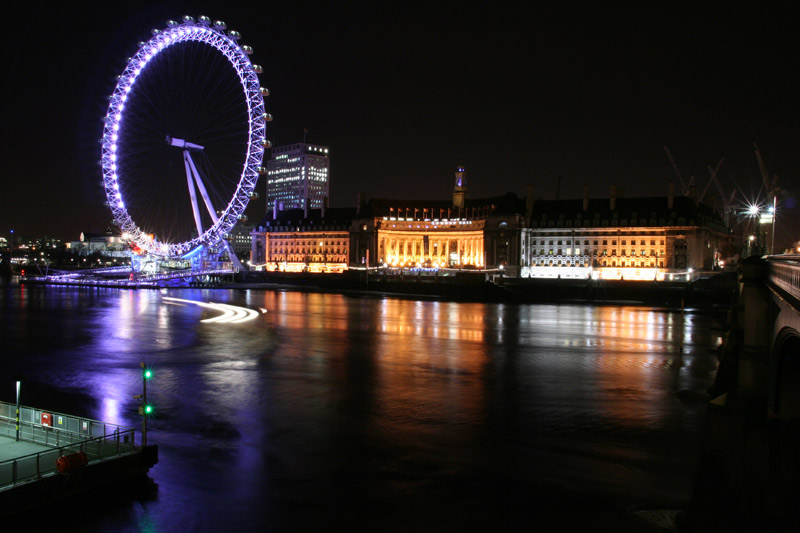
point(296, 172)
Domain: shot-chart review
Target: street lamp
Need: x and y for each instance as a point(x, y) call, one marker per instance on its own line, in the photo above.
point(19, 384)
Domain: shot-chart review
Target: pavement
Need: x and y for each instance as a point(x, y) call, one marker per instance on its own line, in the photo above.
point(10, 448)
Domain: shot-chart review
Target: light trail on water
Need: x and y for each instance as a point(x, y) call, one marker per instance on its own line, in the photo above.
point(231, 314)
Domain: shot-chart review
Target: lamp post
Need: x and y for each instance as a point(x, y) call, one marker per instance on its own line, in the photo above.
point(19, 384)
point(774, 214)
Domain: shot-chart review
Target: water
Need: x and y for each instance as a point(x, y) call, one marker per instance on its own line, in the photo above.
point(369, 412)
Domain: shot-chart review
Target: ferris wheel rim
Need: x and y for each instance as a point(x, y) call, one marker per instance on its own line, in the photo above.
point(237, 57)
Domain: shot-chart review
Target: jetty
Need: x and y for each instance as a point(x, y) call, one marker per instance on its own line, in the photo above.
point(46, 456)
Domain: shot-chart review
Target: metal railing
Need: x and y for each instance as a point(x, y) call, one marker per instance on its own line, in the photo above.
point(784, 272)
point(98, 440)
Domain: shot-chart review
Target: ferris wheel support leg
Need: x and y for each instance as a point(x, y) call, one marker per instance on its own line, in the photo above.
point(201, 187)
point(187, 162)
point(234, 259)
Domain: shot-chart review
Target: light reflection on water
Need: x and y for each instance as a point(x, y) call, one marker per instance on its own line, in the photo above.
point(329, 401)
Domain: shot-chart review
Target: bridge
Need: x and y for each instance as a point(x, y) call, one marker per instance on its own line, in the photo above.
point(749, 475)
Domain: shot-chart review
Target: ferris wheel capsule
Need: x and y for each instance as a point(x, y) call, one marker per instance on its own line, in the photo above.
point(266, 143)
point(155, 31)
point(188, 19)
point(267, 117)
point(257, 69)
point(235, 35)
point(220, 25)
point(141, 43)
point(172, 23)
point(247, 49)
point(204, 20)
point(264, 91)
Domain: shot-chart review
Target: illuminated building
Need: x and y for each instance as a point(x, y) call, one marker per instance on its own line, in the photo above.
point(622, 238)
point(303, 240)
point(457, 233)
point(108, 244)
point(295, 173)
point(462, 233)
point(240, 239)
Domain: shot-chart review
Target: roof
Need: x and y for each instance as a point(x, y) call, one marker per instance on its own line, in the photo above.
point(641, 211)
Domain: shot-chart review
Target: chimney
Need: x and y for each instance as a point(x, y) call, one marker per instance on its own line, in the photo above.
point(585, 197)
point(529, 199)
point(306, 201)
point(275, 210)
point(613, 197)
point(324, 205)
point(360, 201)
point(671, 197)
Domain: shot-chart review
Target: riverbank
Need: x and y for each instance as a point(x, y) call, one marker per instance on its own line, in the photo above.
point(716, 291)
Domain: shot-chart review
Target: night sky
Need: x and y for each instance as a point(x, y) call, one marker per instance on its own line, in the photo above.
point(402, 92)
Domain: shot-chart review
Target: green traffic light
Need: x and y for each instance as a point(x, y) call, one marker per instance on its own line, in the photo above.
point(148, 373)
point(148, 409)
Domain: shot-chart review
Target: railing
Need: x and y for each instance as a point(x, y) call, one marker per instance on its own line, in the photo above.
point(98, 440)
point(784, 272)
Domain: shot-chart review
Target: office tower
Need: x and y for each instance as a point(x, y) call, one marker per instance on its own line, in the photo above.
point(296, 172)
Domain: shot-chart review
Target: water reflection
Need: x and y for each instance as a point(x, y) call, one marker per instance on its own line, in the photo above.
point(329, 401)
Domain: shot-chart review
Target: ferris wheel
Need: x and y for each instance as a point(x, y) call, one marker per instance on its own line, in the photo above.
point(184, 138)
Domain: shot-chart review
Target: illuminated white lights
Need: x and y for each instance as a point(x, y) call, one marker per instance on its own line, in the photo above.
point(231, 314)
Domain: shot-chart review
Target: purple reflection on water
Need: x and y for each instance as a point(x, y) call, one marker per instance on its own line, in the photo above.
point(376, 412)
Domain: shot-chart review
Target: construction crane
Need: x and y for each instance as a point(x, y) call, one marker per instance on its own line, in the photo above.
point(771, 189)
point(684, 186)
point(728, 207)
point(713, 173)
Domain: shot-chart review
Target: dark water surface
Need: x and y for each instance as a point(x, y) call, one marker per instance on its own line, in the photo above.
point(371, 413)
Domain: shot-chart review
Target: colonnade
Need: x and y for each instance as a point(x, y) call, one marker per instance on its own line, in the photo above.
point(415, 248)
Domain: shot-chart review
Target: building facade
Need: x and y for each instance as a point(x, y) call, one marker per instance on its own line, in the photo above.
point(303, 240)
point(457, 233)
point(297, 172)
point(622, 238)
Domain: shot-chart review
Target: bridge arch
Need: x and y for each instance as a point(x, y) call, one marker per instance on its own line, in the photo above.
point(786, 392)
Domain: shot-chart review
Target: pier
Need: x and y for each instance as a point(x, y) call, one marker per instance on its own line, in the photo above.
point(47, 456)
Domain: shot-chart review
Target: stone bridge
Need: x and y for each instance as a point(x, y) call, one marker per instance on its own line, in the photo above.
point(749, 473)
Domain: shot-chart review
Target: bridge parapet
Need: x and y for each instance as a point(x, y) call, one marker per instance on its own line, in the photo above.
point(784, 272)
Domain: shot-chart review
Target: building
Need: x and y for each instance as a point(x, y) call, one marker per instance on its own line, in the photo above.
point(303, 240)
point(456, 233)
point(107, 244)
point(297, 172)
point(240, 239)
point(651, 238)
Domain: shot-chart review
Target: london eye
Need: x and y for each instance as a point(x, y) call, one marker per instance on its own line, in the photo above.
point(183, 139)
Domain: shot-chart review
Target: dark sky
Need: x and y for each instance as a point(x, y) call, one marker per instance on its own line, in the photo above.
point(401, 92)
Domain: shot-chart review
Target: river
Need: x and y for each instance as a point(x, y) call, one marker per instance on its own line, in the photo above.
point(371, 412)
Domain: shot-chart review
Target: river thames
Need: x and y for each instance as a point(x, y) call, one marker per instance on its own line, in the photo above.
point(371, 412)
